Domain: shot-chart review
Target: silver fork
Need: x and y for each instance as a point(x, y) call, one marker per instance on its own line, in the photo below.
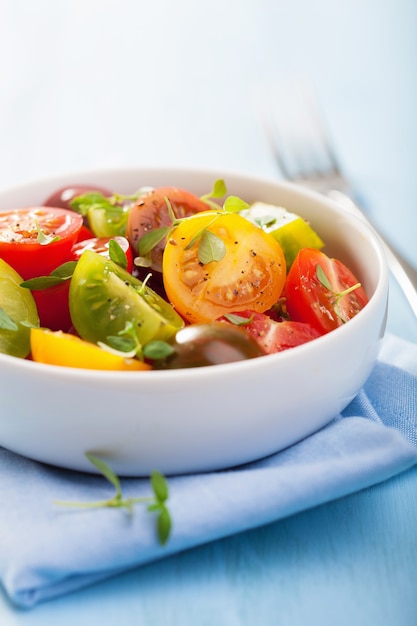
point(299, 143)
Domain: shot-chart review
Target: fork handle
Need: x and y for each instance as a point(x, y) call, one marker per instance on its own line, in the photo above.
point(404, 273)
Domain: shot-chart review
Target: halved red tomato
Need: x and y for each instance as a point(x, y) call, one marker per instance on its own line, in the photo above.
point(322, 291)
point(35, 240)
point(101, 246)
point(151, 212)
point(274, 336)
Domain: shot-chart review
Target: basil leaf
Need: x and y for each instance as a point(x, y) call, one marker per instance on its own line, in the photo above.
point(157, 350)
point(151, 239)
point(210, 248)
point(117, 254)
point(322, 278)
point(65, 270)
point(42, 282)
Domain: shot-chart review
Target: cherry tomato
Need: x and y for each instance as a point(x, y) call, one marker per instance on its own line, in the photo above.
point(250, 275)
point(35, 240)
point(199, 345)
point(105, 299)
point(151, 212)
point(65, 195)
point(318, 291)
point(275, 336)
point(58, 348)
point(101, 246)
point(16, 306)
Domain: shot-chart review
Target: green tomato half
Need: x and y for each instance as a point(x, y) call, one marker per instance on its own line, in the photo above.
point(18, 312)
point(290, 230)
point(104, 298)
point(107, 222)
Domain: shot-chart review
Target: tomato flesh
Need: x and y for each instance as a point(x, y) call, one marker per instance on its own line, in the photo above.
point(308, 299)
point(19, 234)
point(250, 275)
point(275, 336)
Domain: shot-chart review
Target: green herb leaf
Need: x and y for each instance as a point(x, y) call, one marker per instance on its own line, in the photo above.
point(322, 278)
point(43, 238)
point(151, 239)
point(107, 472)
point(219, 190)
point(238, 320)
point(210, 248)
point(157, 349)
point(157, 504)
point(336, 296)
point(125, 342)
point(122, 344)
point(233, 204)
point(65, 271)
point(117, 254)
point(6, 322)
point(159, 486)
point(42, 282)
point(81, 204)
point(164, 525)
point(59, 275)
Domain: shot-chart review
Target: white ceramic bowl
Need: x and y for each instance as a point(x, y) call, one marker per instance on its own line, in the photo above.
point(206, 418)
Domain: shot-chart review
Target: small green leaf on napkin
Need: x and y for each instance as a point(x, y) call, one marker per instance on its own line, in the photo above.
point(157, 503)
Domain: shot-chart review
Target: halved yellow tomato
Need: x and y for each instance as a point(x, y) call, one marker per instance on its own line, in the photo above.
point(216, 263)
point(59, 348)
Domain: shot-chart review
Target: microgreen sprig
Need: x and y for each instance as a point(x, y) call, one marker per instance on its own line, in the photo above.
point(114, 205)
point(238, 320)
point(59, 275)
point(219, 190)
point(43, 238)
point(335, 295)
point(157, 502)
point(127, 344)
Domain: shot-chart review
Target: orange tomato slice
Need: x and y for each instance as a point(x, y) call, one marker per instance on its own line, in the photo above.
point(250, 274)
point(59, 348)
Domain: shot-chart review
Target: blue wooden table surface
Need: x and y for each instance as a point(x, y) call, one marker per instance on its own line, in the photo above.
point(90, 83)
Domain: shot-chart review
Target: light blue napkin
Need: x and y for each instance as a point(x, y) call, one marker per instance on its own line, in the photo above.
point(46, 550)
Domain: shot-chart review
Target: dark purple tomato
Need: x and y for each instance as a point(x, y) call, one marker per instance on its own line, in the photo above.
point(65, 195)
point(215, 343)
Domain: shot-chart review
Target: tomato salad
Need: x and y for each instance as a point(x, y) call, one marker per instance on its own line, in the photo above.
point(164, 279)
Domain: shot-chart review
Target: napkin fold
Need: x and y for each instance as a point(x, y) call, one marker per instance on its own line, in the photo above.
point(47, 550)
